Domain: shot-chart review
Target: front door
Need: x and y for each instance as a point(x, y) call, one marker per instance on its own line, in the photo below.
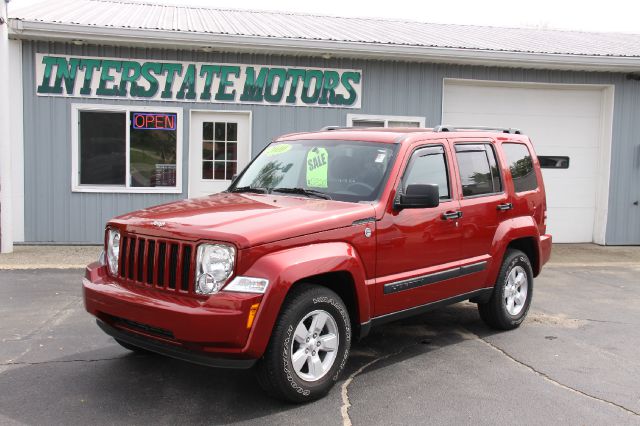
point(219, 148)
point(419, 248)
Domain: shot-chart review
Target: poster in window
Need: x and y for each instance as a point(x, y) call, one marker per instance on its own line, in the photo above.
point(153, 149)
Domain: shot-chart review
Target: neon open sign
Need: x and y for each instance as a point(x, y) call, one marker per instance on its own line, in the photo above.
point(153, 121)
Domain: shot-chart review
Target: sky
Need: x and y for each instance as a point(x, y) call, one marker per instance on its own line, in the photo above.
point(608, 16)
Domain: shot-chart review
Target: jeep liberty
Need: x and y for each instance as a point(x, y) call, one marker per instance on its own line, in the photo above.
point(323, 236)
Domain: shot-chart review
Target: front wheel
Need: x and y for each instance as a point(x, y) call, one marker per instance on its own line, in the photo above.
point(309, 345)
point(512, 293)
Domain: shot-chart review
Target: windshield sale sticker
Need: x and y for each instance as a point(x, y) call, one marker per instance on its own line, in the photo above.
point(317, 168)
point(137, 79)
point(277, 149)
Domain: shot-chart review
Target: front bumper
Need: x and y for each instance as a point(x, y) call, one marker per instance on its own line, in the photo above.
point(210, 331)
point(174, 351)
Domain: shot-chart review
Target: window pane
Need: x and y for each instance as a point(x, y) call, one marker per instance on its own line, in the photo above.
point(231, 169)
point(207, 131)
point(220, 151)
point(521, 166)
point(495, 171)
point(403, 124)
point(218, 170)
point(207, 170)
point(475, 173)
point(102, 148)
point(220, 131)
point(207, 150)
point(553, 162)
point(232, 151)
point(429, 166)
point(153, 149)
point(232, 131)
point(367, 123)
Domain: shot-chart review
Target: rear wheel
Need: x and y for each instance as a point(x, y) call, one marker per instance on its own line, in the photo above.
point(309, 345)
point(512, 293)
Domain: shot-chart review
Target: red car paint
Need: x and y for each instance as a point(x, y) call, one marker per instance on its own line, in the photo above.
point(286, 239)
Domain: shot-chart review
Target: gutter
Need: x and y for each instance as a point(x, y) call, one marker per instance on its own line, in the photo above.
point(34, 30)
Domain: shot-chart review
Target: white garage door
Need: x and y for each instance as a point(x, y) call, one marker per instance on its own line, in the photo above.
point(561, 121)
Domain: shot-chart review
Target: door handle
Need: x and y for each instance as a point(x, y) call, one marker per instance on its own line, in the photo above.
point(503, 207)
point(452, 215)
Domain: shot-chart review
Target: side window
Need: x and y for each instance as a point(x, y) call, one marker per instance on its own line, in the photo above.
point(429, 165)
point(521, 166)
point(479, 171)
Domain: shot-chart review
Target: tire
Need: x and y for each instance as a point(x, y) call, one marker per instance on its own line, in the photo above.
point(502, 311)
point(292, 335)
point(131, 347)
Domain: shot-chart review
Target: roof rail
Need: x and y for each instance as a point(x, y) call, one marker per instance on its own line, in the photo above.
point(446, 128)
point(329, 128)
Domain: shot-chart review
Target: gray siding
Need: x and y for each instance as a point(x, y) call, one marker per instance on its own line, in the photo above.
point(54, 214)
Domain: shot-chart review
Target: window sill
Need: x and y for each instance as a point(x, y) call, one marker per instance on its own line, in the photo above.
point(123, 190)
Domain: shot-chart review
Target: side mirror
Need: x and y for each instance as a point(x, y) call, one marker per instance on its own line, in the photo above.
point(233, 178)
point(419, 196)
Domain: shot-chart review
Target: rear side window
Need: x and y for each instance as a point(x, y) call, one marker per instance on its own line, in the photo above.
point(428, 166)
point(521, 166)
point(479, 172)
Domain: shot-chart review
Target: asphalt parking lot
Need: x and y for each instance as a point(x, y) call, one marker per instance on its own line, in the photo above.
point(574, 361)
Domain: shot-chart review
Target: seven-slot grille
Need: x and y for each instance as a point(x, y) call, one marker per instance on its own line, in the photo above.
point(163, 264)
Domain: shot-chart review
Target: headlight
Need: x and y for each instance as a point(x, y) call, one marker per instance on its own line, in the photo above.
point(214, 267)
point(113, 250)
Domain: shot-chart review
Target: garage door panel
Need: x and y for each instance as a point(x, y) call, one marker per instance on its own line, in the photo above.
point(570, 225)
point(560, 121)
point(582, 192)
point(581, 163)
point(555, 102)
point(581, 132)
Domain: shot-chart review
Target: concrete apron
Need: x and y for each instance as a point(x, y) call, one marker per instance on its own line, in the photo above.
point(77, 257)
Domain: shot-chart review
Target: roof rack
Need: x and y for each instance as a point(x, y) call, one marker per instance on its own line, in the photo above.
point(328, 128)
point(446, 128)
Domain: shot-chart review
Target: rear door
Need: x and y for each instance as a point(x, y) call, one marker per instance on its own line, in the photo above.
point(484, 203)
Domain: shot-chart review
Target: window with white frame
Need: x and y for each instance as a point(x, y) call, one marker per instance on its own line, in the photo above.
point(367, 120)
point(127, 149)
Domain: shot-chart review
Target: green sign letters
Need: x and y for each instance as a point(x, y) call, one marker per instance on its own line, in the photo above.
point(196, 82)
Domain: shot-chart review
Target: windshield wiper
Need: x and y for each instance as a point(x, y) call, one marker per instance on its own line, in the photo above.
point(249, 189)
point(303, 191)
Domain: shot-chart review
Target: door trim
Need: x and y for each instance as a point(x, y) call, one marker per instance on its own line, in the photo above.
point(435, 277)
point(248, 113)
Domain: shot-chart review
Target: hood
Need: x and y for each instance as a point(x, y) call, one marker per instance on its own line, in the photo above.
point(244, 219)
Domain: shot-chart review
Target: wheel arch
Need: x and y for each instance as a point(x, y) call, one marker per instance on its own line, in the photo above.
point(335, 265)
point(520, 233)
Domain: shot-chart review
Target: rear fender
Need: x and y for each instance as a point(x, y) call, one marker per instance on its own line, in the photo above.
point(284, 268)
point(509, 230)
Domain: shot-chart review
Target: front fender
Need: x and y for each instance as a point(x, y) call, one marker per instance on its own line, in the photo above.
point(509, 230)
point(286, 267)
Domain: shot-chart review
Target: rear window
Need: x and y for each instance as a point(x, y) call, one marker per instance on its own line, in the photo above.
point(521, 166)
point(479, 172)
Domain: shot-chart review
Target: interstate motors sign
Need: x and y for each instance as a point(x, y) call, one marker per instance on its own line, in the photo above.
point(136, 79)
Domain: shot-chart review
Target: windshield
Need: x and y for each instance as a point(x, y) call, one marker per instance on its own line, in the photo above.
point(350, 171)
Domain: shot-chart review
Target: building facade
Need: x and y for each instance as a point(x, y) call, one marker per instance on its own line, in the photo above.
point(104, 125)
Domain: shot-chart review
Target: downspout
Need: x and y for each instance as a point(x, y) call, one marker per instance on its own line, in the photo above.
point(6, 207)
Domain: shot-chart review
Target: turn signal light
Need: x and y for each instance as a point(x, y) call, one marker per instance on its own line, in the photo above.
point(252, 314)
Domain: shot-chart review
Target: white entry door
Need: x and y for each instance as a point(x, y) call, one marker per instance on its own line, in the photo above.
point(561, 121)
point(219, 148)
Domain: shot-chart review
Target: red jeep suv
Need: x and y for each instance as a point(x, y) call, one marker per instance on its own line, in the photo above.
point(322, 237)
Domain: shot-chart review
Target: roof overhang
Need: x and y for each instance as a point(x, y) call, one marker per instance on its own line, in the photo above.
point(35, 30)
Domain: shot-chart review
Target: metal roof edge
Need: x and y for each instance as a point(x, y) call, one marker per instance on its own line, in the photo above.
point(35, 30)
